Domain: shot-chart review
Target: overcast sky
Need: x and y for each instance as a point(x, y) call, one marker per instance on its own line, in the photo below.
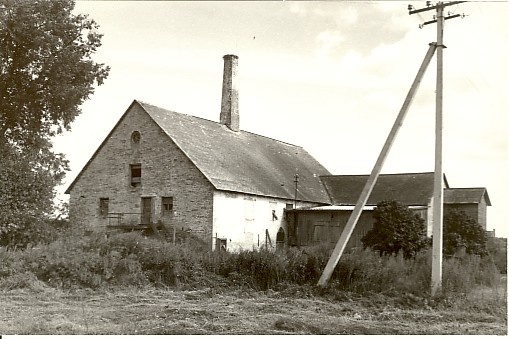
point(328, 76)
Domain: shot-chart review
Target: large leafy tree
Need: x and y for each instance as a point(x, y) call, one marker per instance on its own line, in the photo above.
point(396, 229)
point(460, 230)
point(46, 73)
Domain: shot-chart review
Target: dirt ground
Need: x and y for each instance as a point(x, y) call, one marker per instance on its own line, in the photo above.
point(46, 310)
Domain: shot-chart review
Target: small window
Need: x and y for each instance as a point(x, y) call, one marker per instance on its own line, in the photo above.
point(167, 205)
point(136, 137)
point(104, 205)
point(136, 175)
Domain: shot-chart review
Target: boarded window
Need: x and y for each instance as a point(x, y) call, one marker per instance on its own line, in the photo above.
point(249, 208)
point(136, 175)
point(104, 205)
point(166, 205)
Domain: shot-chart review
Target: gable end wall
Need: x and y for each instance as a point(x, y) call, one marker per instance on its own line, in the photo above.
point(166, 171)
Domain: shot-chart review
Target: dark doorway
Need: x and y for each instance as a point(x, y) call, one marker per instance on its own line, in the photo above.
point(280, 238)
point(146, 211)
point(221, 244)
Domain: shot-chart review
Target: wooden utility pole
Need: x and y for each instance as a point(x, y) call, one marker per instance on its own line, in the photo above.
point(368, 187)
point(438, 190)
point(296, 181)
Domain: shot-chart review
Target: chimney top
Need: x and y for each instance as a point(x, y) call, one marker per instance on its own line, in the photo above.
point(233, 56)
point(230, 97)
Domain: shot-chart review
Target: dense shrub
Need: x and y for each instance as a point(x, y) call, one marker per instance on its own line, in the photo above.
point(64, 266)
point(396, 229)
point(460, 230)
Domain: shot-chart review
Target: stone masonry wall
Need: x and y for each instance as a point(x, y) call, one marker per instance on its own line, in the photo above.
point(165, 172)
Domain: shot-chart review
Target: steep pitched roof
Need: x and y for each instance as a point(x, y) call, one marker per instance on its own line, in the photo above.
point(413, 189)
point(472, 195)
point(240, 161)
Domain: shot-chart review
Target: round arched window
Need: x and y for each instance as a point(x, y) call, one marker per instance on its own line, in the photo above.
point(135, 137)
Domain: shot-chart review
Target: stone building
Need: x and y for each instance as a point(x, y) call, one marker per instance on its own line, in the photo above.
point(227, 185)
point(231, 187)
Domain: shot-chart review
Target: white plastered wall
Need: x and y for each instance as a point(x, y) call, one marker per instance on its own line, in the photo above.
point(243, 219)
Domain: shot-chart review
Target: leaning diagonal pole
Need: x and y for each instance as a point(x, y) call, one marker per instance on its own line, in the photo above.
point(368, 187)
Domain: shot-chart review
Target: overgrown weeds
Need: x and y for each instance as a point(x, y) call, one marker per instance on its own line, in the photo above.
point(131, 259)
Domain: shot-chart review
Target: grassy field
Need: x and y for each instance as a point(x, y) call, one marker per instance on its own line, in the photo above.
point(296, 310)
point(129, 284)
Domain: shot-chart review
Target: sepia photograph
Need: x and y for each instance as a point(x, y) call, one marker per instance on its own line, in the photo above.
point(253, 167)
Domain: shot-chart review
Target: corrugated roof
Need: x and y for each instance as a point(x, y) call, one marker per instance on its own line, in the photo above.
point(472, 195)
point(242, 161)
point(408, 188)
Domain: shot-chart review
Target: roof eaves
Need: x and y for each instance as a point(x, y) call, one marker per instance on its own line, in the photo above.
point(488, 201)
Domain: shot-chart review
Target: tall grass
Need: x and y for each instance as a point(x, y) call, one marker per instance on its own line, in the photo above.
point(133, 260)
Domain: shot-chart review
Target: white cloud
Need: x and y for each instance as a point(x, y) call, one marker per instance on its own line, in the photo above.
point(328, 40)
point(298, 8)
point(346, 16)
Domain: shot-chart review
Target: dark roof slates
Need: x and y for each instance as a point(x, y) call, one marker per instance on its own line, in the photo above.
point(242, 161)
point(413, 189)
point(472, 195)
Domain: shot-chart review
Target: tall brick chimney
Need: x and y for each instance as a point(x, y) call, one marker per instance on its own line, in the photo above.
point(230, 99)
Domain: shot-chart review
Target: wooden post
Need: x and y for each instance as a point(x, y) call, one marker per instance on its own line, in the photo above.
point(438, 201)
point(368, 187)
point(296, 190)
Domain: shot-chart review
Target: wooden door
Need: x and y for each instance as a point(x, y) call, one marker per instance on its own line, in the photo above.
point(146, 211)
